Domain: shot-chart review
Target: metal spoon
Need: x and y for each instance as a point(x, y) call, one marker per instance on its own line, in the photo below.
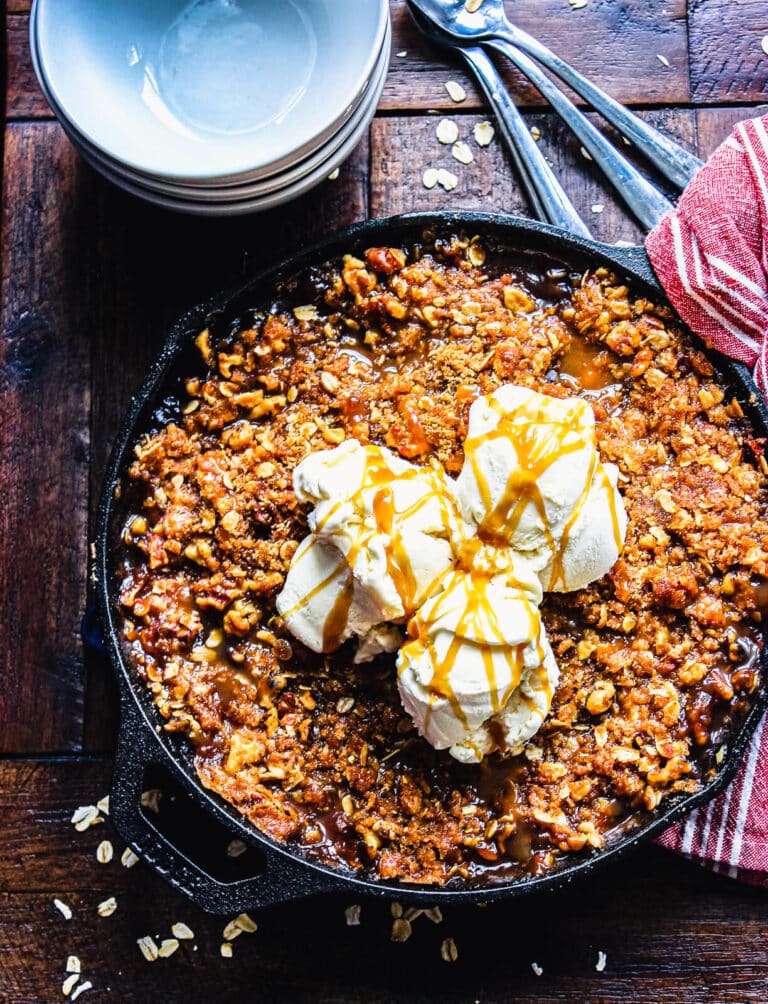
point(548, 198)
point(550, 202)
point(643, 198)
point(489, 25)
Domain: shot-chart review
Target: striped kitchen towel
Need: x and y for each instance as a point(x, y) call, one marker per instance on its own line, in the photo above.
point(711, 256)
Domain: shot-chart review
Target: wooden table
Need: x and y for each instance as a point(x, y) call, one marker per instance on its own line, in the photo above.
point(91, 280)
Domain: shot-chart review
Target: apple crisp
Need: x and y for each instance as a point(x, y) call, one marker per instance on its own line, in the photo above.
point(658, 659)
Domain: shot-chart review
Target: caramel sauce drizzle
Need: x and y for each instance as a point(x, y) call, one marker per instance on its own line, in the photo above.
point(479, 615)
point(535, 452)
point(388, 521)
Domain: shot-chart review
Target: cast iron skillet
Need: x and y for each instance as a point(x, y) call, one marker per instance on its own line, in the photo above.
point(141, 743)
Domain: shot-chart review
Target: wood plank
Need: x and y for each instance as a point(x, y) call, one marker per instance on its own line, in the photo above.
point(713, 125)
point(154, 265)
point(23, 97)
point(661, 921)
point(403, 147)
point(45, 402)
point(727, 61)
point(585, 37)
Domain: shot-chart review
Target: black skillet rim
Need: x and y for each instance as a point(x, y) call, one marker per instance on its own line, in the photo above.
point(629, 262)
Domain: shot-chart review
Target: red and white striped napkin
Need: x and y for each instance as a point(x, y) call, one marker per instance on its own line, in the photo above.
point(711, 256)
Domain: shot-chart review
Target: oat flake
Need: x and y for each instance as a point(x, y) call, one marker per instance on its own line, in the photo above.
point(68, 984)
point(462, 153)
point(447, 132)
point(104, 852)
point(483, 133)
point(447, 179)
point(107, 907)
point(455, 91)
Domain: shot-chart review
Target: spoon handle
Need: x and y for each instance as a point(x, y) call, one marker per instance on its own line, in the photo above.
point(645, 201)
point(550, 202)
point(672, 160)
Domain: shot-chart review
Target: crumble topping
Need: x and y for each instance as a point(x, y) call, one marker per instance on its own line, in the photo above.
point(657, 658)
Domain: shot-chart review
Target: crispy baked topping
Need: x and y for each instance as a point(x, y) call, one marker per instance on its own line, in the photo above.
point(657, 659)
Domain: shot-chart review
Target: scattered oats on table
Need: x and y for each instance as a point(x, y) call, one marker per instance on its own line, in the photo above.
point(63, 909)
point(537, 969)
point(448, 950)
point(447, 132)
point(483, 133)
point(402, 54)
point(447, 179)
point(182, 931)
point(585, 153)
point(128, 858)
point(226, 950)
point(472, 5)
point(577, 4)
point(662, 59)
point(435, 914)
point(73, 964)
point(401, 929)
point(103, 805)
point(598, 207)
point(107, 907)
point(148, 948)
point(455, 91)
point(430, 177)
point(68, 984)
point(352, 915)
point(81, 989)
point(334, 174)
point(536, 133)
point(104, 852)
point(461, 152)
point(602, 958)
point(231, 931)
point(85, 816)
point(245, 923)
point(167, 947)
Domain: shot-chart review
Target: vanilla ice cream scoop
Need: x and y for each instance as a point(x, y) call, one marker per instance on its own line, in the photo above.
point(533, 480)
point(383, 537)
point(477, 672)
point(463, 562)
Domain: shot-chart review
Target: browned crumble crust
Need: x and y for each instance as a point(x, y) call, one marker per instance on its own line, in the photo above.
point(394, 350)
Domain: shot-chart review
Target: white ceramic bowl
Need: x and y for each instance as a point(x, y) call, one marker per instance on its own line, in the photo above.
point(246, 205)
point(315, 164)
point(209, 92)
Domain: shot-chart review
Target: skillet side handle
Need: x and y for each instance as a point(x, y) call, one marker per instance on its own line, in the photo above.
point(635, 258)
point(280, 880)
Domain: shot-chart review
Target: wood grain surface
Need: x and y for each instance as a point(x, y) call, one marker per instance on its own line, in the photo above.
point(91, 280)
point(669, 936)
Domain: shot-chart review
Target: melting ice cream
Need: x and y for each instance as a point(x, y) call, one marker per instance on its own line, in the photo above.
point(462, 562)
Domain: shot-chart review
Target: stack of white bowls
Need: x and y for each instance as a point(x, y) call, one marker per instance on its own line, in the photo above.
point(214, 107)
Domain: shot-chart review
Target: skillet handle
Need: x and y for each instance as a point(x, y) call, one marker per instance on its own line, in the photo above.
point(280, 879)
